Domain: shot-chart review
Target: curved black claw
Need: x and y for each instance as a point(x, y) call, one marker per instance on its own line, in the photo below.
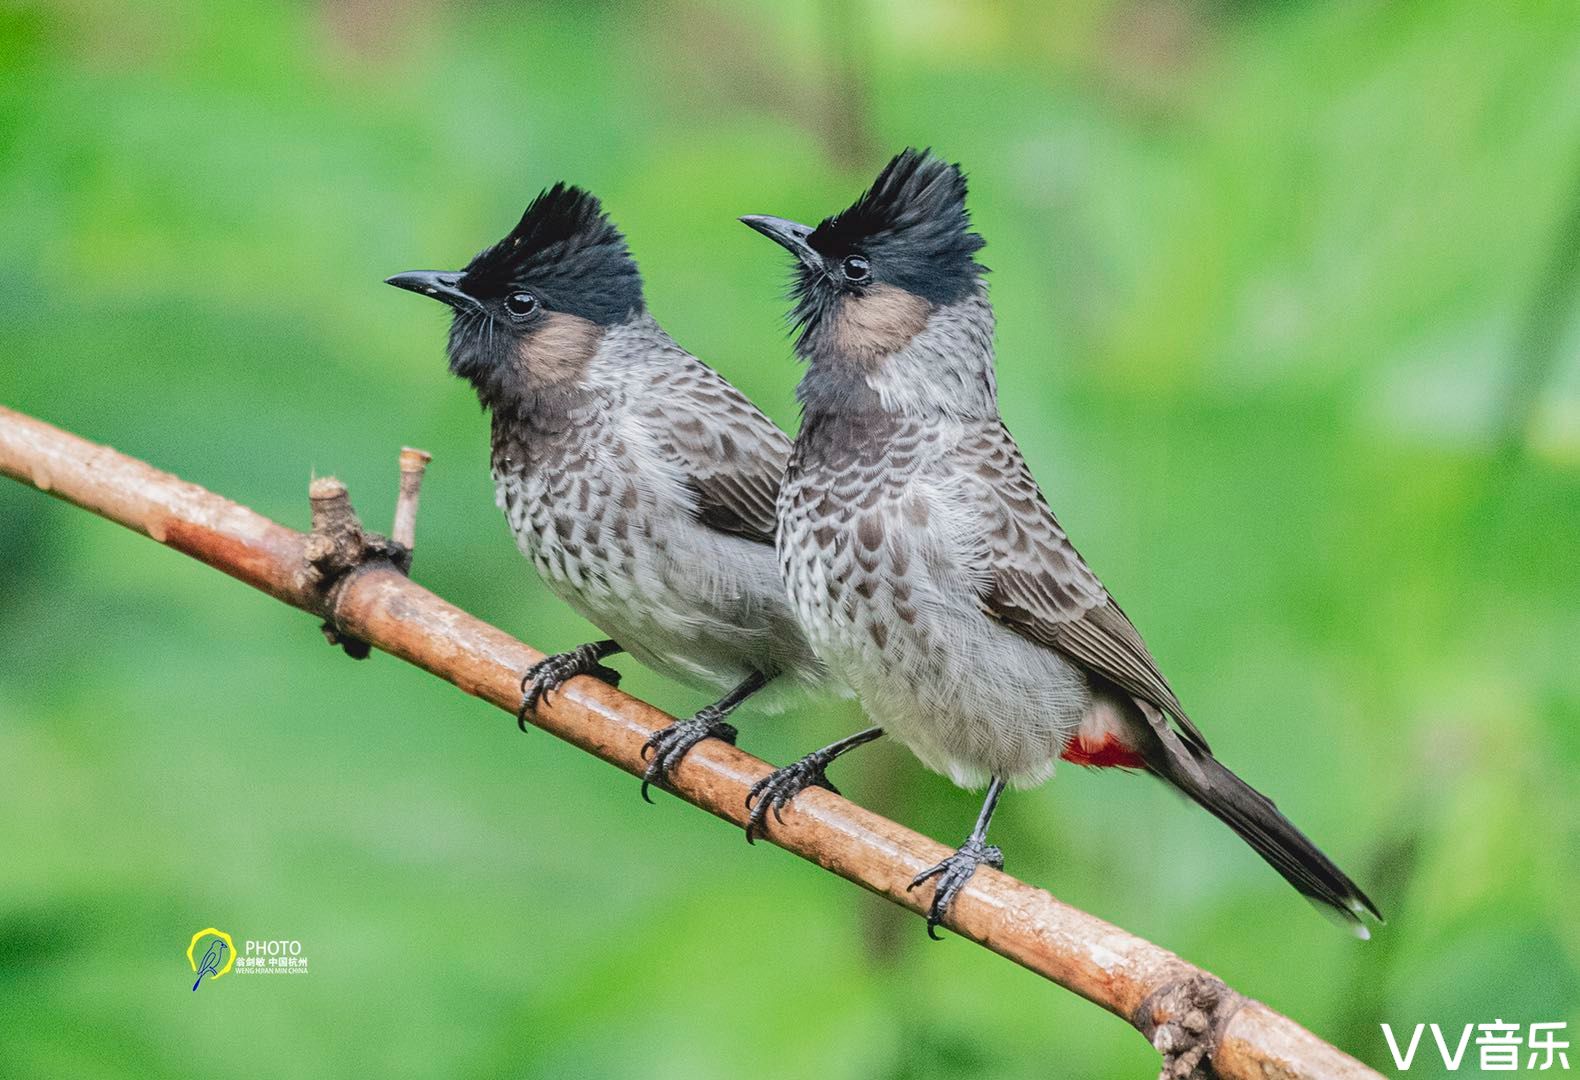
point(552, 672)
point(952, 874)
point(776, 790)
point(668, 745)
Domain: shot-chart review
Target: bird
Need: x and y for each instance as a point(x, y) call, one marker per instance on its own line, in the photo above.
point(927, 568)
point(636, 479)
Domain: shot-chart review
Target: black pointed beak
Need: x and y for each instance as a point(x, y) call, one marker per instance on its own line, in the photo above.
point(790, 235)
point(439, 284)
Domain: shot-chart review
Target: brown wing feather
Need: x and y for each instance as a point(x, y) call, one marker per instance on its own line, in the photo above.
point(1038, 584)
point(732, 456)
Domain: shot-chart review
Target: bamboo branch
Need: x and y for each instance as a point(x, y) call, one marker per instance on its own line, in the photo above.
point(1187, 1013)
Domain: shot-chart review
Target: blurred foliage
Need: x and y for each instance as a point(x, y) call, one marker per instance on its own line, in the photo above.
point(1263, 272)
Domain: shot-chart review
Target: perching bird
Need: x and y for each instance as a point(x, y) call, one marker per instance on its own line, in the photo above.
point(639, 482)
point(924, 563)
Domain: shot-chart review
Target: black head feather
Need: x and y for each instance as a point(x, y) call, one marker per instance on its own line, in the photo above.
point(568, 253)
point(913, 226)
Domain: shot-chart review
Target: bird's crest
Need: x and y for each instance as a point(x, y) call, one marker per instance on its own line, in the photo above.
point(915, 212)
point(566, 249)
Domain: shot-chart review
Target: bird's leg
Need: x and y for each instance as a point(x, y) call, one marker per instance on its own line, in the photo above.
point(668, 745)
point(776, 789)
point(955, 871)
point(552, 672)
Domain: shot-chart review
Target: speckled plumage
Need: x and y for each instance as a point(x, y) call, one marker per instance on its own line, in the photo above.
point(645, 500)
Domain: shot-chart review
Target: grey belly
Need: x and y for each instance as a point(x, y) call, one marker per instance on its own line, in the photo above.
point(700, 607)
point(969, 697)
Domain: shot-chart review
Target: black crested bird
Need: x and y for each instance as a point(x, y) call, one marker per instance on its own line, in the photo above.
point(924, 563)
point(639, 482)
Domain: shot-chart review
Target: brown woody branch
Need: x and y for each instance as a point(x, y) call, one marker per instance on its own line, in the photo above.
point(353, 582)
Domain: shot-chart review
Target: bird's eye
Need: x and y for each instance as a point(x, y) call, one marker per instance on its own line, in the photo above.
point(856, 268)
point(521, 304)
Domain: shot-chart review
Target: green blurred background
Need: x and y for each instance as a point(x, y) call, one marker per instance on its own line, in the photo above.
point(1283, 292)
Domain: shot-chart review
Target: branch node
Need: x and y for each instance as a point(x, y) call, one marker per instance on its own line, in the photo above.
point(337, 549)
point(1185, 1018)
point(336, 543)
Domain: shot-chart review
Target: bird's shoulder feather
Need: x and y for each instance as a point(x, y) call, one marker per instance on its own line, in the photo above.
point(729, 455)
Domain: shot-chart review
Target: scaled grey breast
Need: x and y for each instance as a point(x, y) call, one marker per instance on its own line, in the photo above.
point(861, 467)
point(578, 516)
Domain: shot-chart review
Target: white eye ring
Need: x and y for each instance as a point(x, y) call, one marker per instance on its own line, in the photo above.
point(856, 268)
point(521, 304)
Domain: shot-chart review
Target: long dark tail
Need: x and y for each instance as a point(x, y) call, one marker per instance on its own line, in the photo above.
point(1254, 817)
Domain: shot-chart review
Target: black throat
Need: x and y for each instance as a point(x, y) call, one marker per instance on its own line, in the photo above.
point(540, 430)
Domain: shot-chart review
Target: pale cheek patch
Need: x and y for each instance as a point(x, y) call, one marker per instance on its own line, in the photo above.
point(879, 322)
point(558, 349)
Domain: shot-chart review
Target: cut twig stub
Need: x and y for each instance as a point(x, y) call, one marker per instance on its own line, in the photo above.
point(413, 463)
